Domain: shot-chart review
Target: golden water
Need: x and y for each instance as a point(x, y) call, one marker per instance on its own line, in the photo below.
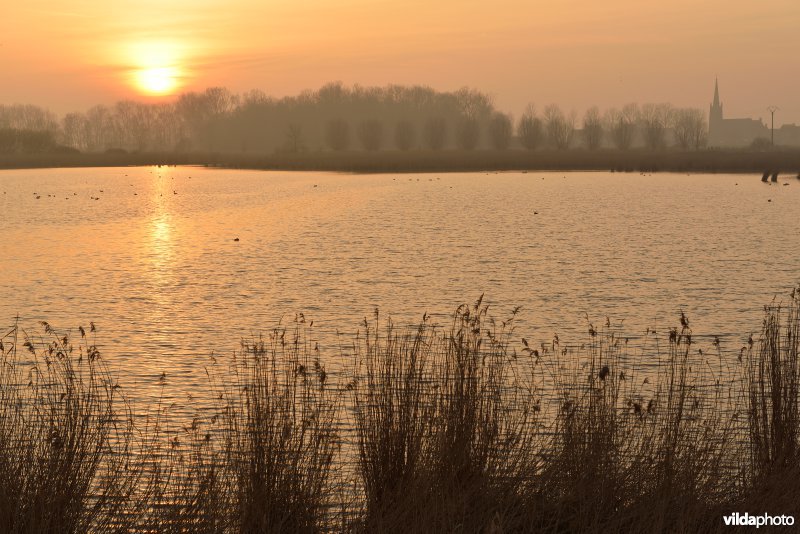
point(153, 262)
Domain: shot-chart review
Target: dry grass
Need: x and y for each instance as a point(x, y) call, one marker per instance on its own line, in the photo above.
point(280, 437)
point(263, 462)
point(445, 426)
point(636, 449)
point(457, 429)
point(772, 378)
point(58, 421)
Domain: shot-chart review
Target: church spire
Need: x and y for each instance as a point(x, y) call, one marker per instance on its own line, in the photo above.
point(716, 93)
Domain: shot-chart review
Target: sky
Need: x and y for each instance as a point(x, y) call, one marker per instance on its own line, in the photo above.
point(68, 55)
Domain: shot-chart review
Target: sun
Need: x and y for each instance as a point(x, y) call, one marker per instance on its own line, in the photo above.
point(156, 68)
point(157, 81)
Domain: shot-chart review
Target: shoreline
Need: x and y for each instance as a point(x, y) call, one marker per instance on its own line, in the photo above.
point(709, 161)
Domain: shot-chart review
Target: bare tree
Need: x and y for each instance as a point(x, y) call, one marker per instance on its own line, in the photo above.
point(559, 128)
point(592, 128)
point(468, 133)
point(201, 113)
point(621, 125)
point(404, 135)
point(167, 127)
point(473, 104)
point(474, 107)
point(656, 119)
point(690, 129)
point(699, 130)
point(435, 133)
point(529, 129)
point(136, 124)
point(28, 117)
point(500, 130)
point(337, 134)
point(294, 138)
point(100, 129)
point(254, 97)
point(75, 130)
point(370, 134)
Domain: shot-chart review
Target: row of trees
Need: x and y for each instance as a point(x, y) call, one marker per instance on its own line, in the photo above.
point(345, 118)
point(654, 126)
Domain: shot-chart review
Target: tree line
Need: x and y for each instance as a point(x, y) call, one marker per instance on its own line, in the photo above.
point(341, 118)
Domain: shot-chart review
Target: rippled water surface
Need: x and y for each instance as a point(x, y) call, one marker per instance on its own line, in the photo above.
point(149, 254)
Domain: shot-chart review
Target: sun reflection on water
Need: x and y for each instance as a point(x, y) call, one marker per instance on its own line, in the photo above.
point(160, 247)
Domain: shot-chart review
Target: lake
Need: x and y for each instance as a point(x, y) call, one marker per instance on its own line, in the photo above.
point(150, 255)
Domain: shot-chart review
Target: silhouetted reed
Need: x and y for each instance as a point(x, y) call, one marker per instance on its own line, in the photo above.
point(636, 448)
point(263, 461)
point(58, 420)
point(439, 429)
point(772, 377)
point(445, 426)
point(280, 436)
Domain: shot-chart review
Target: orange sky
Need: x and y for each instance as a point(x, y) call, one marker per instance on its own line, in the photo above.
point(70, 54)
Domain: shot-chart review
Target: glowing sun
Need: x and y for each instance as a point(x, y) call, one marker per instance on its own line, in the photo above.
point(157, 80)
point(156, 66)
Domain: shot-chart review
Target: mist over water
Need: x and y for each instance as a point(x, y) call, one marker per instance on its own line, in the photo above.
point(150, 256)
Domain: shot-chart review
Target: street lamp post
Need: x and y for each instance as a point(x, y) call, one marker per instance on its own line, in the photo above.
point(772, 110)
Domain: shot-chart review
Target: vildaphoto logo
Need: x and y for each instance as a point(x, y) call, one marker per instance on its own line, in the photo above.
point(765, 520)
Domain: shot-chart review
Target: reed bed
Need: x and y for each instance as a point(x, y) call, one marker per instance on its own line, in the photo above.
point(465, 427)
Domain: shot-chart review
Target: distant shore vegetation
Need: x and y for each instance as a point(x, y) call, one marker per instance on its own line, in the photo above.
point(465, 427)
point(391, 128)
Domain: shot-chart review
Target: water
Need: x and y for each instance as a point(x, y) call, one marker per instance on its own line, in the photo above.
point(153, 262)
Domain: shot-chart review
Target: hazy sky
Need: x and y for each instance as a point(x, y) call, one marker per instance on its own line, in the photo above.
point(70, 54)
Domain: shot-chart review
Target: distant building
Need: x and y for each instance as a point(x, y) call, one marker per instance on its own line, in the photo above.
point(788, 135)
point(733, 132)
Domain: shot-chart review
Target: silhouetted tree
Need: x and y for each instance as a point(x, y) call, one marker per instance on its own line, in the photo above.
point(468, 133)
point(135, 123)
point(337, 134)
point(201, 113)
point(621, 125)
point(294, 138)
point(592, 128)
point(75, 130)
point(500, 130)
point(656, 119)
point(101, 131)
point(29, 118)
point(473, 104)
point(370, 134)
point(167, 127)
point(690, 129)
point(559, 127)
point(529, 129)
point(404, 135)
point(435, 133)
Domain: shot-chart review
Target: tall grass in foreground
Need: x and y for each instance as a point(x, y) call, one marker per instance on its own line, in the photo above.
point(58, 420)
point(772, 372)
point(462, 428)
point(263, 462)
point(281, 440)
point(445, 426)
point(637, 450)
